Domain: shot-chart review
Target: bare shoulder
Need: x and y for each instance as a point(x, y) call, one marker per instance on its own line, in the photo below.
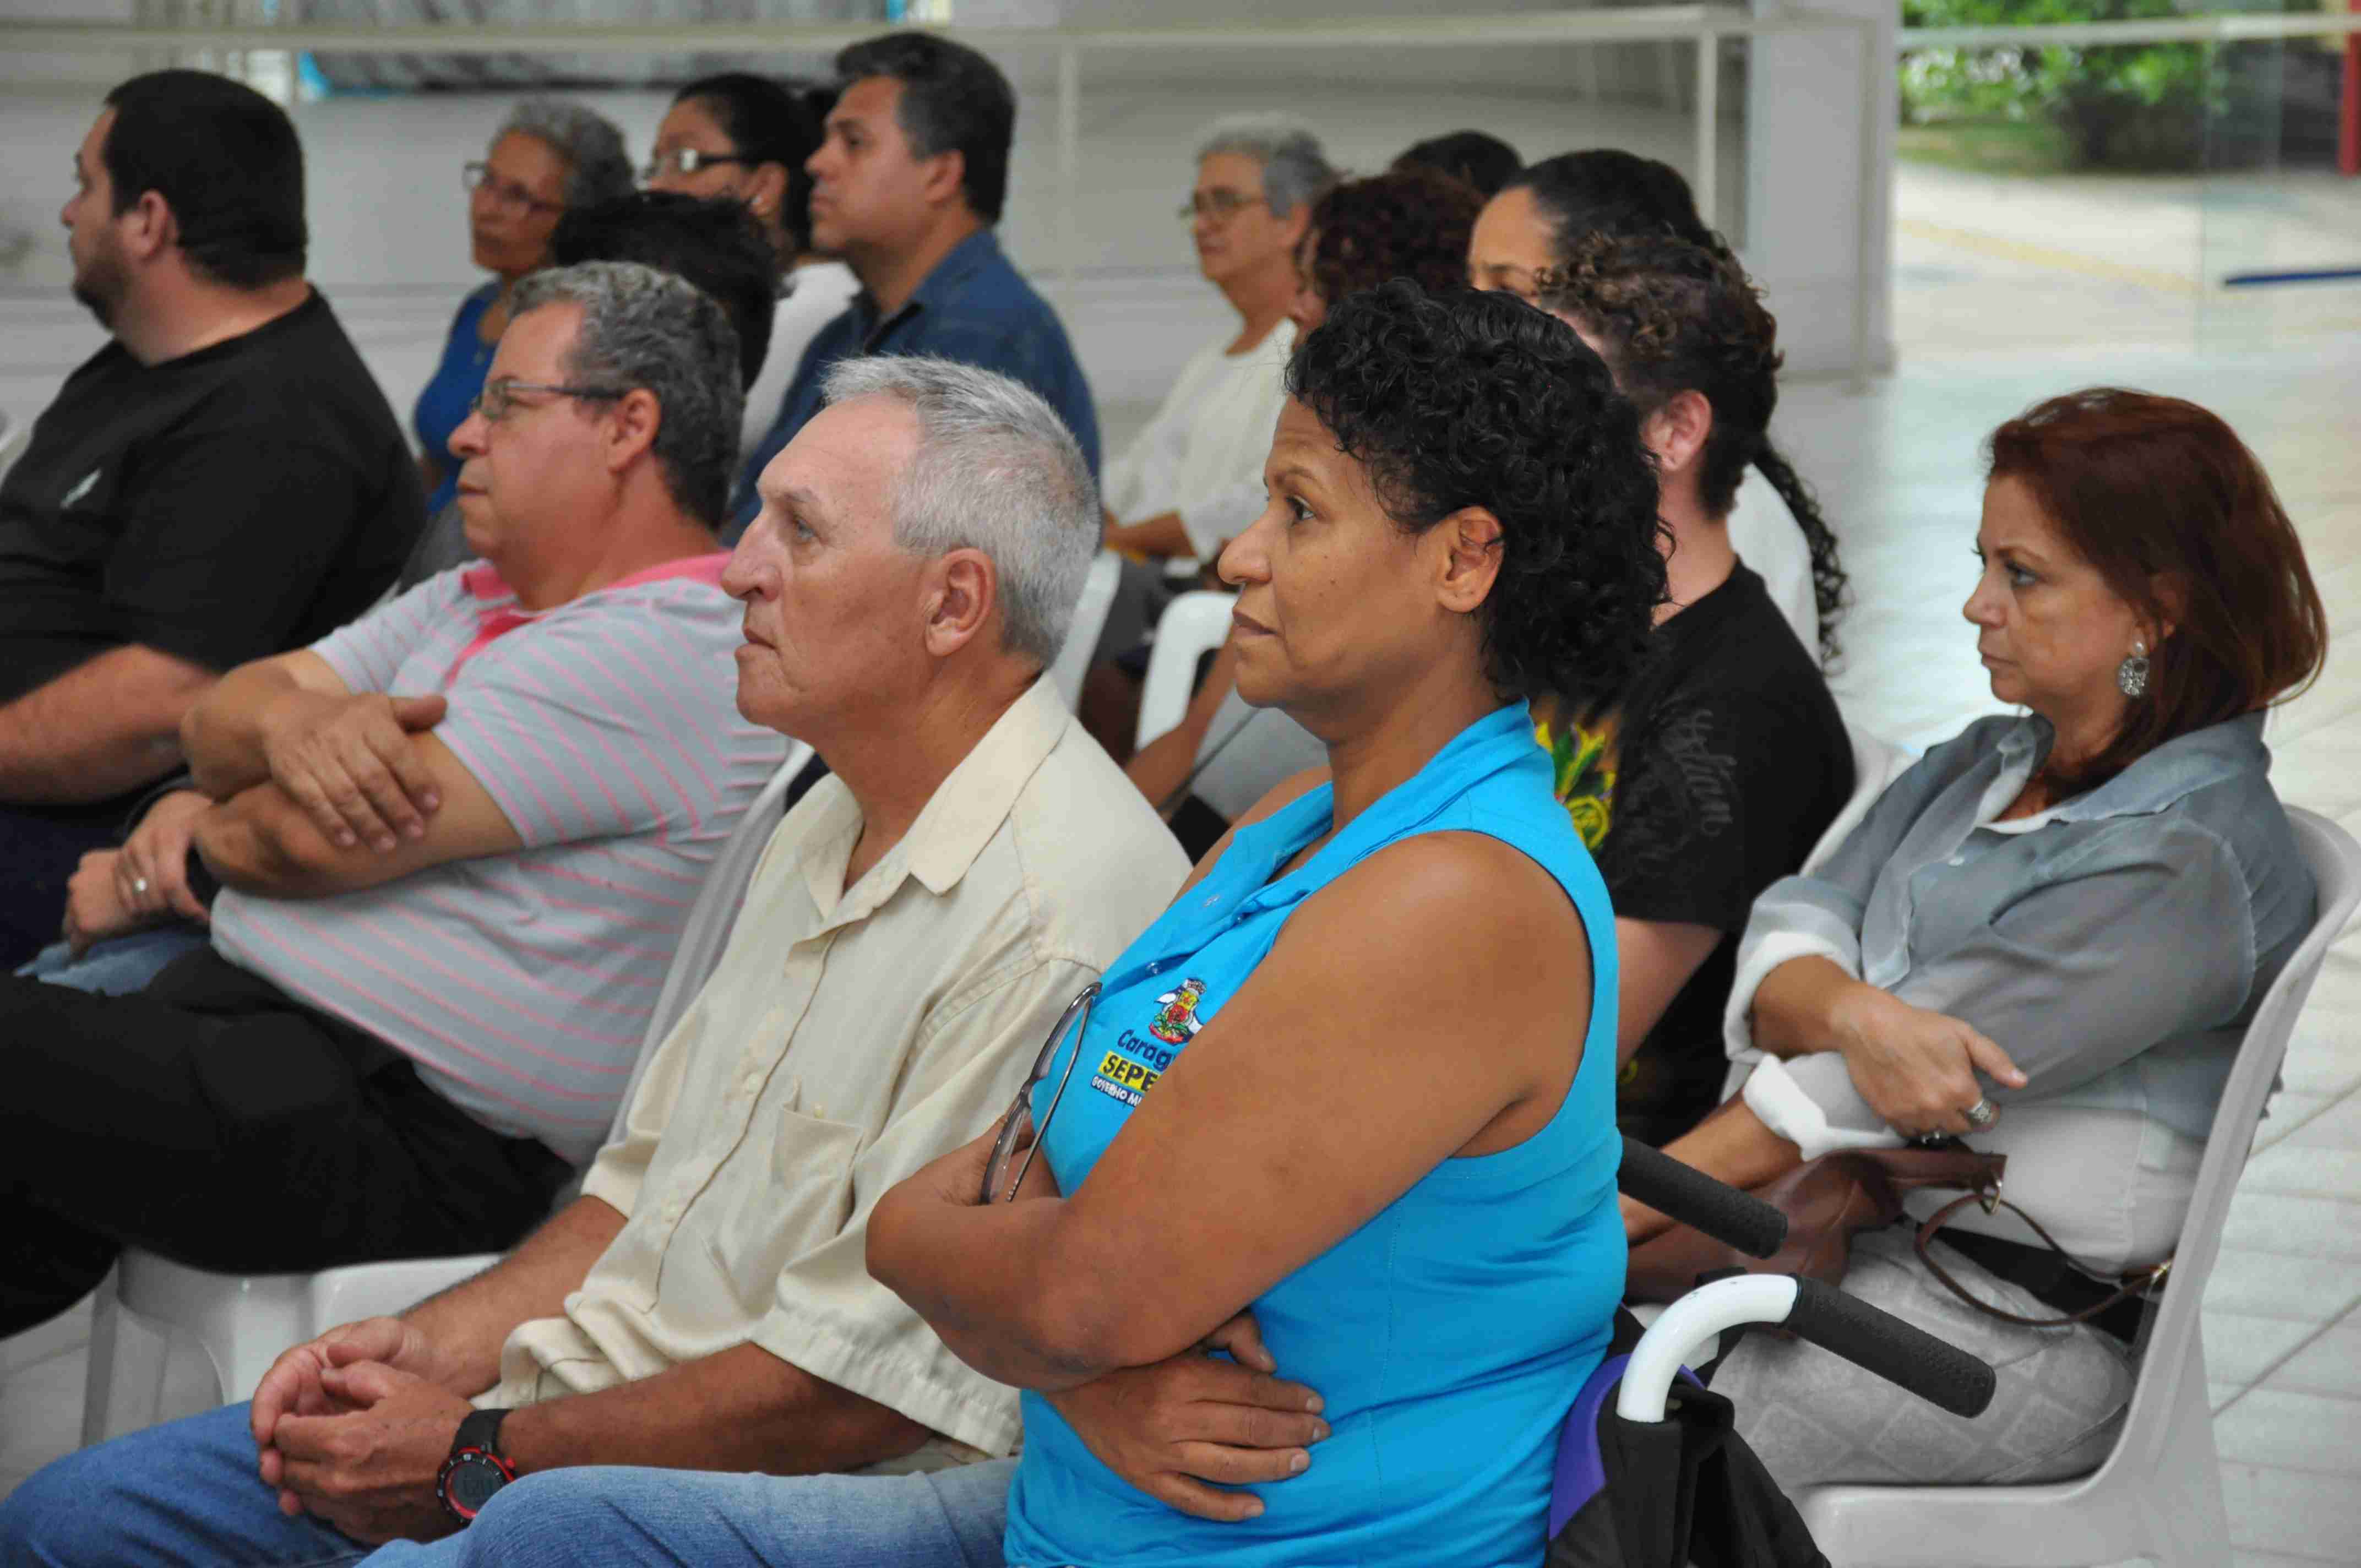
point(1460, 900)
point(1285, 793)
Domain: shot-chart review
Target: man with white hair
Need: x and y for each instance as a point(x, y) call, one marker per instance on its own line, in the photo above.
point(919, 924)
point(1193, 478)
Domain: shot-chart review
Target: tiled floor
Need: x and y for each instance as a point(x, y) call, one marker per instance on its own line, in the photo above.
point(1897, 469)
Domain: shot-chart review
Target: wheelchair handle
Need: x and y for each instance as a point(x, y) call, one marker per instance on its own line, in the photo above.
point(1694, 1199)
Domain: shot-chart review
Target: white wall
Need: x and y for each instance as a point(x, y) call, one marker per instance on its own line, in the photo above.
point(388, 216)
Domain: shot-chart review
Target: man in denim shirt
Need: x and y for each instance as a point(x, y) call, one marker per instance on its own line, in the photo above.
point(906, 189)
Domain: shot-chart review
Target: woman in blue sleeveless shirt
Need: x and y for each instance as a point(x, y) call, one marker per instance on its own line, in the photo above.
point(1358, 1079)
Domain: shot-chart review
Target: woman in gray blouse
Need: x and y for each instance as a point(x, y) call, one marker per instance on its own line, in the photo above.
point(2046, 935)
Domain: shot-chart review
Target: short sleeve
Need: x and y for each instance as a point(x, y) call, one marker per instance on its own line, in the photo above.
point(226, 544)
point(367, 653)
point(594, 724)
point(834, 1320)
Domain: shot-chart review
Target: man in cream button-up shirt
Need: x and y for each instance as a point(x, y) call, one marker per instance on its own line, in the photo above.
point(917, 927)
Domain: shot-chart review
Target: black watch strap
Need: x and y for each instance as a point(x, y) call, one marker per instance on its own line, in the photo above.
point(481, 1429)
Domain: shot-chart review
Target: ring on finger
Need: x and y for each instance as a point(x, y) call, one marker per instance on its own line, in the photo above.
point(1982, 1114)
point(139, 885)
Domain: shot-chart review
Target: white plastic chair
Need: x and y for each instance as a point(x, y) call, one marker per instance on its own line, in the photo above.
point(244, 1322)
point(1876, 763)
point(14, 434)
point(2158, 1495)
point(1192, 626)
point(1090, 619)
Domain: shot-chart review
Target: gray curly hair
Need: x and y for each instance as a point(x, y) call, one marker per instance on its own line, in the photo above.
point(997, 471)
point(597, 166)
point(646, 328)
point(1295, 168)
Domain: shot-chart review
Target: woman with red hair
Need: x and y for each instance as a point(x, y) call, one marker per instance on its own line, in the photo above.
point(2046, 936)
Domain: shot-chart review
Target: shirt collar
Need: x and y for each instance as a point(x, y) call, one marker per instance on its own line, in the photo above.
point(958, 820)
point(2178, 768)
point(483, 580)
point(959, 265)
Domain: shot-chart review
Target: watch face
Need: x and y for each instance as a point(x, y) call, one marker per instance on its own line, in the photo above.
point(474, 1479)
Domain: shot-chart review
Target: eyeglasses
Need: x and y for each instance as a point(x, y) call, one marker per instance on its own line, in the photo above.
point(999, 1185)
point(506, 192)
point(497, 402)
point(1221, 206)
point(688, 160)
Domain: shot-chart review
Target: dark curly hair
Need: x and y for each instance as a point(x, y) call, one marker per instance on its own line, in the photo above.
point(1408, 222)
point(1605, 190)
point(1674, 317)
point(1454, 399)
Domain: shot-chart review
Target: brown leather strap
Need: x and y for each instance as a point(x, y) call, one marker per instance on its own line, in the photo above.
point(2137, 1282)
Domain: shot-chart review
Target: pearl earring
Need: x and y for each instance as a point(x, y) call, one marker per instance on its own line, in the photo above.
point(2131, 676)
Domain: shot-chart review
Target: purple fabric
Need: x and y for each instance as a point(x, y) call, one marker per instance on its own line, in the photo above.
point(1579, 1474)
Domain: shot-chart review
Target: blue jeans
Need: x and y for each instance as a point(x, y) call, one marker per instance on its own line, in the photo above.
point(600, 1517)
point(188, 1492)
point(117, 966)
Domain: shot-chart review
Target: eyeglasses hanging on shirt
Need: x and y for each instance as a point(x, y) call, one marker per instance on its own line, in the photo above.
point(1000, 1185)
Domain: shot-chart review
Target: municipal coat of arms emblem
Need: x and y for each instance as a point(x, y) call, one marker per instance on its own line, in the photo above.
point(1176, 1018)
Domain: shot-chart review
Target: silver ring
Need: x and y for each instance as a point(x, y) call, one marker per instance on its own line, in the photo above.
point(139, 885)
point(1982, 1114)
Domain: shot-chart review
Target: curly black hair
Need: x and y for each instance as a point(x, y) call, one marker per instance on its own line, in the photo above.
point(1674, 316)
point(1454, 399)
point(1407, 222)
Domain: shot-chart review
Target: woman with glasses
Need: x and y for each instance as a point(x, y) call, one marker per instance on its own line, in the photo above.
point(747, 138)
point(547, 156)
point(1358, 1082)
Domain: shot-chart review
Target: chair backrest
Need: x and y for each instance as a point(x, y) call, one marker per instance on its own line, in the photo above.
point(1191, 627)
point(1090, 619)
point(1876, 763)
point(707, 930)
point(13, 435)
point(2334, 861)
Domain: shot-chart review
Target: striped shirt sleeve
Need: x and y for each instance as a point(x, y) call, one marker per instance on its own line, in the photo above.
point(596, 725)
point(367, 653)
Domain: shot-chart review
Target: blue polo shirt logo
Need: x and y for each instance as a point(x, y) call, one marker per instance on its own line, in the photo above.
point(1131, 1067)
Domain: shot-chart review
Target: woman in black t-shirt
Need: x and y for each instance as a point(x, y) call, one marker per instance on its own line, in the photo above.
point(1718, 768)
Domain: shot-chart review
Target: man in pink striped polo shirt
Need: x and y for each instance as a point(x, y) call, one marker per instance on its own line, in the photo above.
point(454, 844)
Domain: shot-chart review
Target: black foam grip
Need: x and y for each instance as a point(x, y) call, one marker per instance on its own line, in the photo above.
point(1688, 1195)
point(1875, 1340)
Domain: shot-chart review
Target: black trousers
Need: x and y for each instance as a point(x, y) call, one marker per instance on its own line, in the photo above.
point(41, 846)
point(217, 1121)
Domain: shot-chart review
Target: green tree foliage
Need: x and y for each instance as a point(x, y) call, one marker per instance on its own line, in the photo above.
point(2130, 105)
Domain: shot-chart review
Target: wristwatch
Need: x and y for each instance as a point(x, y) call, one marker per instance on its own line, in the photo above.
point(476, 1467)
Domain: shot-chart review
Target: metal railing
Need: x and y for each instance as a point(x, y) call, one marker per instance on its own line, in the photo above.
point(1702, 26)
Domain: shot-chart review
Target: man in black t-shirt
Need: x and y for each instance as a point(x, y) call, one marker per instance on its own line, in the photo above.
point(221, 482)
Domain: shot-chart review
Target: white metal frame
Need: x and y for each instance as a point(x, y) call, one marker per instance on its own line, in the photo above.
point(1702, 26)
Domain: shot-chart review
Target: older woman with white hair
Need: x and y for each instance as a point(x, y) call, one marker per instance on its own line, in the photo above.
point(547, 156)
point(1193, 478)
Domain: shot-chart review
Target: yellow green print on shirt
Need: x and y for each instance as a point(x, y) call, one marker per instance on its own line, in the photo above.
point(1584, 759)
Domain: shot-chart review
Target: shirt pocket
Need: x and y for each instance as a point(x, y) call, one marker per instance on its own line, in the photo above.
point(797, 1195)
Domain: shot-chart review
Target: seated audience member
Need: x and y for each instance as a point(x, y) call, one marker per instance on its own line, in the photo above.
point(748, 138)
point(546, 159)
point(1714, 774)
point(1404, 596)
point(455, 841)
point(1534, 223)
point(1474, 158)
point(222, 481)
point(713, 244)
point(1409, 223)
point(710, 244)
point(2047, 936)
point(1193, 478)
point(906, 188)
point(919, 922)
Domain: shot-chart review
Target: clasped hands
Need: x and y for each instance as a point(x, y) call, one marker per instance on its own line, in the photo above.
point(354, 1427)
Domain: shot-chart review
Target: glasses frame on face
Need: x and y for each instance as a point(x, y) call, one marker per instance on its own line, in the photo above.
point(506, 193)
point(495, 402)
point(997, 1186)
point(1217, 206)
point(688, 160)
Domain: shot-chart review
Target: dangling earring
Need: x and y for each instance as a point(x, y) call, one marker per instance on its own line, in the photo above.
point(2131, 676)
